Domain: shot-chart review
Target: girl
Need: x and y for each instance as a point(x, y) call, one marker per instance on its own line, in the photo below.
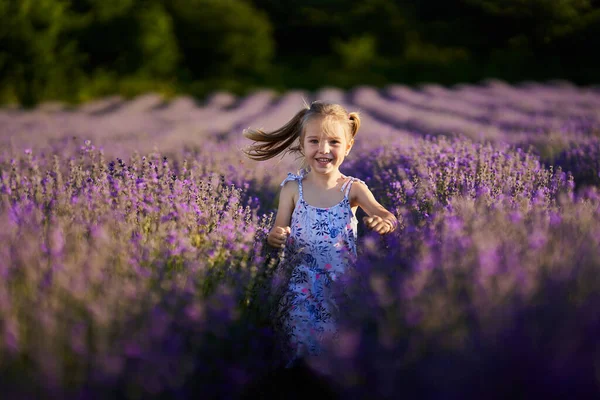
point(316, 222)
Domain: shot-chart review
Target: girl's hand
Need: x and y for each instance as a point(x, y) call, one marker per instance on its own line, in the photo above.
point(378, 224)
point(278, 236)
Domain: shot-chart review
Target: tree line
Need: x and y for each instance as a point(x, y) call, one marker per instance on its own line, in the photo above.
point(74, 50)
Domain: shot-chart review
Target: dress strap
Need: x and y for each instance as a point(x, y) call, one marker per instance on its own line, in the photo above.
point(294, 177)
point(348, 184)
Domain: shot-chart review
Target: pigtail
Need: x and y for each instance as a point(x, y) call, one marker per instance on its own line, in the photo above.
point(354, 123)
point(270, 144)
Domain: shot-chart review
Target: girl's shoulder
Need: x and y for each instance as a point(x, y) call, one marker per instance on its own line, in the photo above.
point(290, 186)
point(355, 190)
point(351, 182)
point(293, 177)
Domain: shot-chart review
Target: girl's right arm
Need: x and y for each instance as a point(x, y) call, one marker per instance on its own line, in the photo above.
point(281, 229)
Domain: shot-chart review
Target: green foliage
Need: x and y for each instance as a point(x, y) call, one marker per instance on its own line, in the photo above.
point(108, 33)
point(221, 37)
point(37, 59)
point(76, 49)
point(430, 53)
point(105, 83)
point(314, 27)
point(542, 20)
point(103, 10)
point(157, 42)
point(357, 53)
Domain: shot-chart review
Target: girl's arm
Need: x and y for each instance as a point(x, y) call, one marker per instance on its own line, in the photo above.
point(379, 219)
point(281, 229)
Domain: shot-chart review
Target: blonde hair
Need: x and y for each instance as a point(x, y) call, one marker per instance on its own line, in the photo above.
point(270, 144)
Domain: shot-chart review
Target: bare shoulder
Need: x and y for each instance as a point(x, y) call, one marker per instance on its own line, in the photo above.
point(359, 192)
point(359, 186)
point(287, 201)
point(289, 192)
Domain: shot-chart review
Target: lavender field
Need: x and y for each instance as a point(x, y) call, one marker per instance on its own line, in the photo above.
point(133, 262)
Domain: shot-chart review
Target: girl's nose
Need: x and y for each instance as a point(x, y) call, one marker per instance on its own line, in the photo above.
point(324, 147)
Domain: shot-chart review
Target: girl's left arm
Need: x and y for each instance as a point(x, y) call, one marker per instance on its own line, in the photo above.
point(379, 219)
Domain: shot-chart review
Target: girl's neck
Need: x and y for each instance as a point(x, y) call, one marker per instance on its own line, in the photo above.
point(325, 181)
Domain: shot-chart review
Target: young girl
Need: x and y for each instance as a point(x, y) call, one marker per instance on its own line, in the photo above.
point(316, 222)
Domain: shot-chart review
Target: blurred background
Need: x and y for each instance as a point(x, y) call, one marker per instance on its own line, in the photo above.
point(77, 50)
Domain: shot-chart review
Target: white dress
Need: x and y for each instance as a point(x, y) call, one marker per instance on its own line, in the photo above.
point(321, 245)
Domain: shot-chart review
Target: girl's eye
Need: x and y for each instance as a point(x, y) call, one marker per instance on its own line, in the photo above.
point(313, 141)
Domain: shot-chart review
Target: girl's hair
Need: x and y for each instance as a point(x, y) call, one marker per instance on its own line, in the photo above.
point(269, 144)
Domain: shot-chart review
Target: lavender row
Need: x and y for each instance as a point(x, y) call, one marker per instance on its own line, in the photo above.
point(124, 277)
point(489, 111)
point(423, 177)
point(484, 294)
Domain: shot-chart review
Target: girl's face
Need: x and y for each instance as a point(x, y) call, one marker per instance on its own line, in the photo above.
point(325, 144)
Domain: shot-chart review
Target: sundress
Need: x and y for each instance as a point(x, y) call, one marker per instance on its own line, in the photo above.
point(320, 247)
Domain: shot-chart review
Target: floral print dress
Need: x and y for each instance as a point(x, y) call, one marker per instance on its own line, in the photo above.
point(321, 245)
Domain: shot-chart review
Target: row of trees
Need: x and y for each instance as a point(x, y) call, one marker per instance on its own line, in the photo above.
point(77, 49)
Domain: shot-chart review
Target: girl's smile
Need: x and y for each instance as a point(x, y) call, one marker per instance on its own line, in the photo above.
point(323, 161)
point(325, 145)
